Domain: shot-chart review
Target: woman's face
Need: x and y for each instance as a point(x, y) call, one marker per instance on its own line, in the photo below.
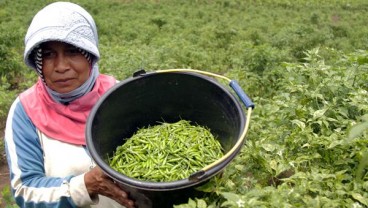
point(64, 67)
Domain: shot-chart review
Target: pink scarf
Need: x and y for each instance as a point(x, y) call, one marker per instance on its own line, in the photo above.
point(63, 122)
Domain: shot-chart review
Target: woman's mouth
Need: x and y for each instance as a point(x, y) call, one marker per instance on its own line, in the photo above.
point(65, 82)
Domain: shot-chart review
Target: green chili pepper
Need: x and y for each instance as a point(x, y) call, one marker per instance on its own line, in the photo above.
point(166, 152)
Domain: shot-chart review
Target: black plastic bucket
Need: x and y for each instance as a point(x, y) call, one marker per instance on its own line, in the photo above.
point(144, 100)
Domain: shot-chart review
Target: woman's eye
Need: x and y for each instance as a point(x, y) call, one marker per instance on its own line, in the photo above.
point(47, 54)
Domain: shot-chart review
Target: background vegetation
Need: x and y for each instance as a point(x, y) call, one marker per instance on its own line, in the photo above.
point(303, 63)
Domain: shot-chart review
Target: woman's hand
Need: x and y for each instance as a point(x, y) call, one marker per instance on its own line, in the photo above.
point(97, 182)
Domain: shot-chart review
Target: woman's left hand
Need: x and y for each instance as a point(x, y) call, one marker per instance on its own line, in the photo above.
point(97, 182)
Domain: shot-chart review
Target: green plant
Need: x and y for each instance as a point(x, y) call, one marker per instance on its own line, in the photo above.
point(303, 63)
point(7, 199)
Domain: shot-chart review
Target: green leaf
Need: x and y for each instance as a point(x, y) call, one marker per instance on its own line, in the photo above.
point(360, 198)
point(358, 129)
point(201, 203)
point(269, 147)
point(319, 113)
point(191, 204)
point(230, 196)
point(299, 123)
point(365, 117)
point(210, 186)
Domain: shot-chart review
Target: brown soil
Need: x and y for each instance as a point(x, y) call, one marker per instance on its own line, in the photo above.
point(4, 170)
point(4, 176)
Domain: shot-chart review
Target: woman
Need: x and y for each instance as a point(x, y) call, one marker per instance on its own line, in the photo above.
point(44, 137)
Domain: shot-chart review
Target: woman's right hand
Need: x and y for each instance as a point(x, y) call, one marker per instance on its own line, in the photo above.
point(97, 182)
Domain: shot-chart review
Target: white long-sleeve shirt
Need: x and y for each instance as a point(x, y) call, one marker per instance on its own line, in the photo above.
point(46, 172)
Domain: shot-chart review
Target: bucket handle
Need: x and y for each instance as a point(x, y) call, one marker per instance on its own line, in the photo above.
point(246, 101)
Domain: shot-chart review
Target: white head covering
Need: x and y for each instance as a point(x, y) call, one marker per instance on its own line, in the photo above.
point(69, 23)
point(62, 21)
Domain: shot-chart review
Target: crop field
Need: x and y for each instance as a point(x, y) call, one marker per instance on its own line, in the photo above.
point(304, 64)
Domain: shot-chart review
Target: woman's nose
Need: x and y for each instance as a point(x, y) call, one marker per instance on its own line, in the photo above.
point(61, 63)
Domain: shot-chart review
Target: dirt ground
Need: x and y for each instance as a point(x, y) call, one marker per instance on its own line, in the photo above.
point(4, 171)
point(4, 176)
